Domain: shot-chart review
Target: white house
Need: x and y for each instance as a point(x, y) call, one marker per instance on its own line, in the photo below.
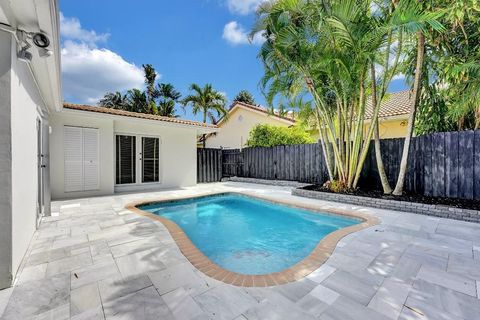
point(49, 150)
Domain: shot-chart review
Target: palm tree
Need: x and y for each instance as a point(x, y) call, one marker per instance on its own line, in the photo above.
point(150, 77)
point(137, 101)
point(207, 101)
point(245, 97)
point(325, 49)
point(114, 100)
point(167, 96)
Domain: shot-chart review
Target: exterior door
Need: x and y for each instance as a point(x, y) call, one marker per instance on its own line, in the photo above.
point(150, 159)
point(40, 170)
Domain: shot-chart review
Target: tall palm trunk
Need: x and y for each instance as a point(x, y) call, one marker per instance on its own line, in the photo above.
point(204, 137)
point(378, 151)
point(417, 86)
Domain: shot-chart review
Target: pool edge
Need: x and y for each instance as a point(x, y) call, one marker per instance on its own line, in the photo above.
point(312, 262)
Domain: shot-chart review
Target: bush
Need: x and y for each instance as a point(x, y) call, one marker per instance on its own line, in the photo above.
point(264, 135)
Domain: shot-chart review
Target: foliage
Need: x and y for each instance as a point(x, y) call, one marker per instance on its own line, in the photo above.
point(264, 135)
point(159, 100)
point(451, 95)
point(207, 101)
point(326, 50)
point(245, 97)
point(336, 186)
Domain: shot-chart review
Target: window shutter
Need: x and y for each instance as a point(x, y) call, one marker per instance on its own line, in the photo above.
point(73, 155)
point(90, 159)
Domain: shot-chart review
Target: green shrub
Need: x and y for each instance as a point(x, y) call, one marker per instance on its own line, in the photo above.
point(264, 135)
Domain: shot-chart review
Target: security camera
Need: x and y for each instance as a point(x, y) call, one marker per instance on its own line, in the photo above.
point(24, 55)
point(40, 40)
point(44, 53)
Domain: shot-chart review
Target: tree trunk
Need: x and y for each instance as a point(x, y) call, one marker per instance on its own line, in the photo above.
point(417, 87)
point(378, 152)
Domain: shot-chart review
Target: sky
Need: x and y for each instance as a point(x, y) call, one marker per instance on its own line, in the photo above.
point(105, 43)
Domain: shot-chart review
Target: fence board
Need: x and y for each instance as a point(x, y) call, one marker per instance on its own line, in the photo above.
point(465, 173)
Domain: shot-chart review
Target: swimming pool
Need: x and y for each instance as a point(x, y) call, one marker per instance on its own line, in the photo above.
point(247, 235)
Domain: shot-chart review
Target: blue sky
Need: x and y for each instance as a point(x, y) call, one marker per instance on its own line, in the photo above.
point(104, 44)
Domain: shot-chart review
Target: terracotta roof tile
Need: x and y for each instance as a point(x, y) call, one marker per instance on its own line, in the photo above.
point(394, 104)
point(124, 113)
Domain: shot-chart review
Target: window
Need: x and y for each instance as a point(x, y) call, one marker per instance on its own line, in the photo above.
point(150, 159)
point(125, 159)
point(81, 164)
point(137, 159)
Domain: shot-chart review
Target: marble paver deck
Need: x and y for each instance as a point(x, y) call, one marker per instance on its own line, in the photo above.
point(95, 260)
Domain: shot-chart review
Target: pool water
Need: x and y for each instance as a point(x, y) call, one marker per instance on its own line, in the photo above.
point(249, 236)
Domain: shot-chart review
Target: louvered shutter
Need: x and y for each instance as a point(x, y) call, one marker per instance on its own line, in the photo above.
point(90, 159)
point(73, 155)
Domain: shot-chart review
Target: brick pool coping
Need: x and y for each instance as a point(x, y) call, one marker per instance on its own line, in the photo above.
point(315, 260)
point(441, 211)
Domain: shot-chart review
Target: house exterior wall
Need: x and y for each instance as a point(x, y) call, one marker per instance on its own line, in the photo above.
point(234, 133)
point(389, 129)
point(5, 161)
point(177, 152)
point(21, 105)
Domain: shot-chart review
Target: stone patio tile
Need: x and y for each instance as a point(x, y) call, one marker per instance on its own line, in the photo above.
point(311, 305)
point(426, 259)
point(390, 298)
point(321, 273)
point(91, 314)
point(140, 263)
point(295, 291)
point(117, 287)
point(52, 232)
point(110, 233)
point(62, 242)
point(467, 231)
point(4, 297)
point(84, 299)
point(59, 313)
point(346, 309)
point(466, 267)
point(30, 273)
point(68, 264)
point(93, 273)
point(419, 310)
point(37, 297)
point(385, 263)
point(406, 270)
point(86, 229)
point(135, 246)
point(351, 286)
point(451, 301)
point(117, 221)
point(324, 294)
point(175, 277)
point(449, 280)
point(182, 305)
point(225, 302)
point(266, 310)
point(145, 304)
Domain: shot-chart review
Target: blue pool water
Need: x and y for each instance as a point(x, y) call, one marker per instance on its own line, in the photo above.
point(247, 235)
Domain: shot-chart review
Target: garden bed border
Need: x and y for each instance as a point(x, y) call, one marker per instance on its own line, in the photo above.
point(441, 211)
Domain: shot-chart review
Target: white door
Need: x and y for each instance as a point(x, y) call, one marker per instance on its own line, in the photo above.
point(73, 149)
point(90, 160)
point(81, 172)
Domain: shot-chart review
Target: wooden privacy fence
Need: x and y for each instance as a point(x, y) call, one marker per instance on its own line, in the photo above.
point(440, 164)
point(209, 165)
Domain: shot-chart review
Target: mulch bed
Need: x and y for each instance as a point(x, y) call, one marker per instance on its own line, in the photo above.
point(457, 203)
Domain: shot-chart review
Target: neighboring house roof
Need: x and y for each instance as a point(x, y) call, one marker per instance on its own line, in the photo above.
point(258, 108)
point(138, 115)
point(393, 105)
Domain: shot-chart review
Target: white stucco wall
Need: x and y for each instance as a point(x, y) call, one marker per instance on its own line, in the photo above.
point(235, 131)
point(177, 152)
point(25, 103)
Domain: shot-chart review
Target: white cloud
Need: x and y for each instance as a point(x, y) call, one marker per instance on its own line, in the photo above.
point(89, 72)
point(235, 34)
point(244, 7)
point(70, 28)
